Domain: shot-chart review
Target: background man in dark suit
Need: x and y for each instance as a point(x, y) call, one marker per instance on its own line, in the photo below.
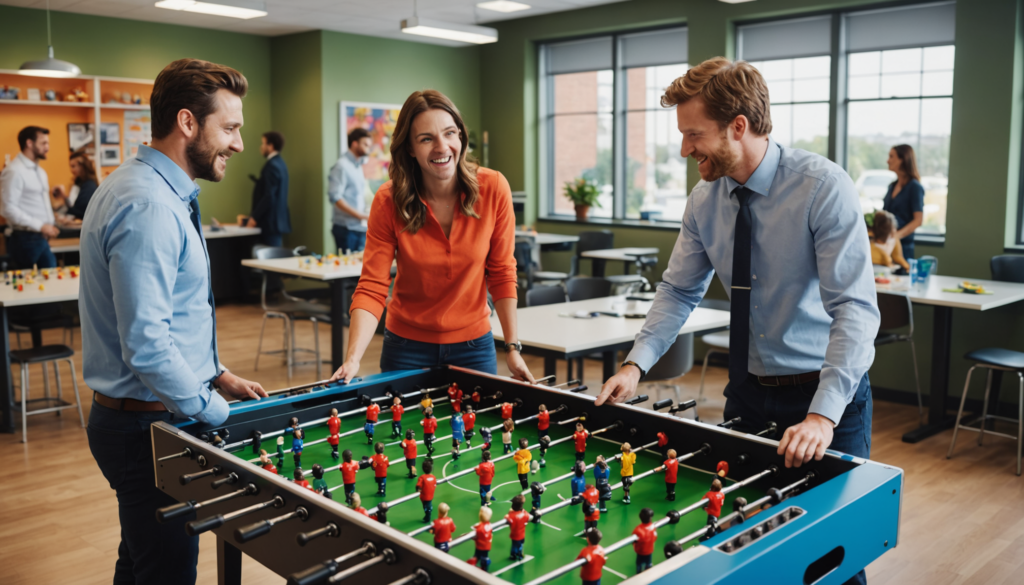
point(270, 197)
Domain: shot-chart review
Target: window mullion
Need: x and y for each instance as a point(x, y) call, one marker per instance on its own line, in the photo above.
point(619, 106)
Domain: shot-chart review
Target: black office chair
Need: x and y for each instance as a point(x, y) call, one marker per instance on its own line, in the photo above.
point(582, 288)
point(898, 315)
point(601, 240)
point(1008, 268)
point(545, 295)
point(523, 254)
point(676, 362)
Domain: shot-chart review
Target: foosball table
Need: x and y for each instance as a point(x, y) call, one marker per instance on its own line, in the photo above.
point(328, 485)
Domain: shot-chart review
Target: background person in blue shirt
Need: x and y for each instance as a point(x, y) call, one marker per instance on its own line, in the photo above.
point(346, 189)
point(905, 197)
point(148, 323)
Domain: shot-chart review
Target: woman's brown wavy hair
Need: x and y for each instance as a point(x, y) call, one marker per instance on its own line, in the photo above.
point(405, 173)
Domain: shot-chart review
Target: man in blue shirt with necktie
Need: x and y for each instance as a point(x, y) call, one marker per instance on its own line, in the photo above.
point(148, 323)
point(783, 230)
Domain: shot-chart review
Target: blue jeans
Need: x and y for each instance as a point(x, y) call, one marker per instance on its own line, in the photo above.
point(149, 552)
point(787, 406)
point(29, 249)
point(275, 240)
point(400, 353)
point(347, 239)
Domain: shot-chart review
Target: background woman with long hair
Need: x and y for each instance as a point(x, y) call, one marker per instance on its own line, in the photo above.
point(451, 228)
point(72, 202)
point(905, 198)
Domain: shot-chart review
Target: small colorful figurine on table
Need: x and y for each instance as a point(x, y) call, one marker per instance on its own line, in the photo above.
point(507, 426)
point(592, 570)
point(297, 447)
point(397, 410)
point(409, 450)
point(442, 528)
point(458, 434)
point(429, 423)
point(517, 519)
point(455, 397)
point(506, 410)
point(425, 485)
point(469, 422)
point(671, 467)
point(522, 458)
point(319, 483)
point(579, 482)
point(715, 499)
point(601, 475)
point(349, 469)
point(486, 472)
point(372, 413)
point(482, 536)
point(646, 535)
point(580, 438)
point(627, 460)
point(379, 463)
point(334, 428)
point(591, 509)
point(266, 463)
point(300, 478)
point(356, 503)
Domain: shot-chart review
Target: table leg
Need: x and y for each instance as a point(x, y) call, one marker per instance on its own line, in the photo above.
point(229, 563)
point(339, 309)
point(551, 366)
point(608, 365)
point(938, 420)
point(6, 383)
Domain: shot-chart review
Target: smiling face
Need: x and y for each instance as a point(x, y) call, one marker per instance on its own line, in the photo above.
point(716, 152)
point(217, 139)
point(894, 161)
point(436, 145)
point(76, 168)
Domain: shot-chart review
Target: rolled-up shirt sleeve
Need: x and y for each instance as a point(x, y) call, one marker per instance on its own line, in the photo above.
point(142, 244)
point(847, 292)
point(683, 285)
point(501, 262)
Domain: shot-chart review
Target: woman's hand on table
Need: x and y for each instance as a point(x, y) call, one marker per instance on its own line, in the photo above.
point(517, 366)
point(346, 372)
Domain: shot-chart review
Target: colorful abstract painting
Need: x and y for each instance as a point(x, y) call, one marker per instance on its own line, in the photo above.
point(379, 120)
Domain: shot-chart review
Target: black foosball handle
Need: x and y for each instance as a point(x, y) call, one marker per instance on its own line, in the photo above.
point(686, 405)
point(662, 404)
point(197, 527)
point(257, 529)
point(175, 511)
point(188, 477)
point(314, 575)
point(578, 389)
point(303, 538)
point(637, 399)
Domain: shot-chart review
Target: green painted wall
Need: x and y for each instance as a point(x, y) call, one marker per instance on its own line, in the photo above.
point(129, 48)
point(984, 157)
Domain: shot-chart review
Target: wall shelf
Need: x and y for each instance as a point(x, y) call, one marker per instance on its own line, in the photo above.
point(125, 106)
point(48, 103)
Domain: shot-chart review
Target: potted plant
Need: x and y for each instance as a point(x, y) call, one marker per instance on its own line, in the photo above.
point(583, 194)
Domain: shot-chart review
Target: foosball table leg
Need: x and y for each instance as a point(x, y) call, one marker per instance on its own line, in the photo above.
point(229, 563)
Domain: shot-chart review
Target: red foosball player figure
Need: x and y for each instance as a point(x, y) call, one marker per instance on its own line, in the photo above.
point(627, 460)
point(334, 428)
point(429, 423)
point(469, 422)
point(486, 472)
point(715, 499)
point(409, 450)
point(543, 421)
point(300, 480)
point(455, 397)
point(425, 485)
point(266, 463)
point(671, 467)
point(475, 397)
point(482, 538)
point(506, 411)
point(348, 474)
point(517, 519)
point(397, 410)
point(580, 438)
point(591, 509)
point(442, 528)
point(662, 443)
point(646, 535)
point(379, 462)
point(372, 413)
point(357, 505)
point(722, 470)
point(591, 571)
point(522, 459)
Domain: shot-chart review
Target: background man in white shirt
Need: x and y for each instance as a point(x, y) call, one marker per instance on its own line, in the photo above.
point(25, 202)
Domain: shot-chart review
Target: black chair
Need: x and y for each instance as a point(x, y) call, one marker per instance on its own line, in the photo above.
point(601, 240)
point(582, 288)
point(1008, 268)
point(676, 362)
point(545, 295)
point(717, 342)
point(897, 315)
point(523, 254)
point(47, 354)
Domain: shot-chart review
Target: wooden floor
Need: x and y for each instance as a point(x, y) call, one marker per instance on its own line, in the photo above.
point(962, 520)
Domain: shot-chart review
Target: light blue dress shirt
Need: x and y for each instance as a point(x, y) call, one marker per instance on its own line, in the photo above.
point(812, 299)
point(347, 182)
point(145, 302)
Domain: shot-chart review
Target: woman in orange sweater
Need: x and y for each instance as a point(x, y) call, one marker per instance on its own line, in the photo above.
point(450, 226)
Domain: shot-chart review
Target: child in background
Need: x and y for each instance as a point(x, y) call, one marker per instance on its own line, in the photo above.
point(886, 250)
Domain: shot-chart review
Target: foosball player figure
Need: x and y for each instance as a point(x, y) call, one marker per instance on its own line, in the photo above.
point(506, 411)
point(442, 528)
point(537, 489)
point(425, 485)
point(217, 442)
point(379, 462)
point(429, 428)
point(522, 459)
point(319, 483)
point(507, 426)
point(469, 422)
point(455, 397)
point(715, 499)
point(627, 460)
point(357, 505)
point(482, 538)
point(601, 475)
point(458, 434)
point(662, 443)
point(486, 472)
point(348, 474)
point(381, 515)
point(591, 571)
point(397, 410)
point(300, 479)
point(543, 421)
point(266, 463)
point(426, 403)
point(579, 482)
point(580, 438)
point(280, 452)
point(721, 471)
point(334, 428)
point(297, 447)
point(409, 450)
point(591, 509)
point(485, 434)
point(671, 467)
point(476, 398)
point(372, 413)
point(646, 535)
point(517, 519)
point(542, 447)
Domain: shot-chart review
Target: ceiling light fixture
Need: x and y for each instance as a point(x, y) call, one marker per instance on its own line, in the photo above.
point(49, 67)
point(463, 33)
point(244, 9)
point(503, 6)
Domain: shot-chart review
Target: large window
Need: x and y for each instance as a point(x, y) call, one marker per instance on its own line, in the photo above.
point(894, 86)
point(603, 122)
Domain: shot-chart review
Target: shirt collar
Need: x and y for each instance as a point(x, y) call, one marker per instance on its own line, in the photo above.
point(183, 187)
point(27, 161)
point(355, 160)
point(761, 180)
point(272, 155)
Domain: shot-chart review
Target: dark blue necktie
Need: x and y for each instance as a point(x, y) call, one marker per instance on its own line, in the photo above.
point(196, 221)
point(739, 307)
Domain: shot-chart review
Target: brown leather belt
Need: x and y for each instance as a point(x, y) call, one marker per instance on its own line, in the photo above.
point(791, 380)
point(129, 404)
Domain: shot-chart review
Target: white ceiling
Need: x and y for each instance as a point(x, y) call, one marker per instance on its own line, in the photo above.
point(378, 18)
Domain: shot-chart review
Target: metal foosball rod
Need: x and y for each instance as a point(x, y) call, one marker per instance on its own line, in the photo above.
point(769, 430)
point(257, 529)
point(609, 459)
point(545, 380)
point(197, 527)
point(386, 556)
point(187, 452)
point(575, 382)
point(292, 389)
point(418, 577)
point(322, 572)
point(560, 408)
point(331, 529)
point(182, 508)
point(675, 515)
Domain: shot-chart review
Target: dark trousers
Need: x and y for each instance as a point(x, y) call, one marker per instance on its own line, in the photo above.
point(275, 240)
point(29, 249)
point(149, 552)
point(787, 406)
point(400, 353)
point(346, 239)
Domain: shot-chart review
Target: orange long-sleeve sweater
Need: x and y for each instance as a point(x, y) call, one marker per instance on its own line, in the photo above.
point(440, 293)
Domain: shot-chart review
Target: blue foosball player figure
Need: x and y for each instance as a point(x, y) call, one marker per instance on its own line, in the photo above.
point(601, 473)
point(579, 482)
point(458, 434)
point(297, 447)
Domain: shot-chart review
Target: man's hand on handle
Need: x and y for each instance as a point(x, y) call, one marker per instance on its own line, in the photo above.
point(240, 388)
point(620, 387)
point(805, 440)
